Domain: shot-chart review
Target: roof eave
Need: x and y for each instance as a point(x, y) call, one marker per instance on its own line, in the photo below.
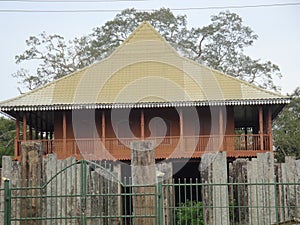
point(76, 106)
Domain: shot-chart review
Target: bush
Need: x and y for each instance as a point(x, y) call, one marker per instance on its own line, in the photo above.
point(190, 213)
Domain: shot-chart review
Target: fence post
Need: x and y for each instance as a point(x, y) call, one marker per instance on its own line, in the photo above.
point(276, 202)
point(159, 200)
point(83, 191)
point(7, 202)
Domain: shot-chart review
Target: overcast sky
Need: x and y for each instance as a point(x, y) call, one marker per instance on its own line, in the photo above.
point(278, 28)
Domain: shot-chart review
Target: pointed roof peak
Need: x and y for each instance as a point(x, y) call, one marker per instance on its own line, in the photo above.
point(144, 32)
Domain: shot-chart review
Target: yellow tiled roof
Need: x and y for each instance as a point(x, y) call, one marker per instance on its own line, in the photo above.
point(145, 71)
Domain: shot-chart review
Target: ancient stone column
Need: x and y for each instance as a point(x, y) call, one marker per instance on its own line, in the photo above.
point(289, 192)
point(11, 171)
point(213, 172)
point(238, 194)
point(31, 164)
point(166, 168)
point(143, 181)
point(261, 191)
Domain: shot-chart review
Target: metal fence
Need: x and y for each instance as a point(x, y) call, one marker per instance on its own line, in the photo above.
point(78, 196)
point(233, 203)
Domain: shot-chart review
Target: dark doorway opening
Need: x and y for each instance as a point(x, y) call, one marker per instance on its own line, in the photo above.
point(188, 177)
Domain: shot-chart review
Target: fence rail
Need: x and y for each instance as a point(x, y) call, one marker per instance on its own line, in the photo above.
point(178, 202)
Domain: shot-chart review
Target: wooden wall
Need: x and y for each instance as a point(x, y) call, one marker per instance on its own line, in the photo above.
point(92, 128)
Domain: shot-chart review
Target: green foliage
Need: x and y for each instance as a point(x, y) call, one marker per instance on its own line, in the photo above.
point(191, 213)
point(287, 129)
point(56, 58)
point(7, 134)
point(219, 45)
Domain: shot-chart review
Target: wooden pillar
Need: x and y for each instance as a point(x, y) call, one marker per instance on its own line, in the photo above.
point(180, 123)
point(17, 128)
point(221, 123)
point(246, 138)
point(103, 131)
point(181, 139)
point(270, 129)
point(24, 127)
point(261, 127)
point(17, 136)
point(142, 125)
point(64, 126)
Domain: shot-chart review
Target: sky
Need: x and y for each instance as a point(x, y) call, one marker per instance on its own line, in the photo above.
point(277, 27)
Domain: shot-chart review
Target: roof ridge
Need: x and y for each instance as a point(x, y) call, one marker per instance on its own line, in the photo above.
point(235, 78)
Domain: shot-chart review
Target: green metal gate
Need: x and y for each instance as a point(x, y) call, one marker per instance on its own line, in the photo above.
point(81, 192)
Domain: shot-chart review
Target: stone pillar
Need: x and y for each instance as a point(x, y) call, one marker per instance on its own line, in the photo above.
point(238, 194)
point(10, 170)
point(31, 166)
point(213, 171)
point(110, 185)
point(168, 191)
point(24, 127)
point(104, 186)
point(289, 195)
point(50, 169)
point(64, 131)
point(117, 207)
point(261, 191)
point(144, 177)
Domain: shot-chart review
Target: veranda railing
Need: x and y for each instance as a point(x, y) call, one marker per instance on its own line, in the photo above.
point(166, 147)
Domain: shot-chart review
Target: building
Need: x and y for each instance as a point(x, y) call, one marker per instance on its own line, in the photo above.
point(146, 90)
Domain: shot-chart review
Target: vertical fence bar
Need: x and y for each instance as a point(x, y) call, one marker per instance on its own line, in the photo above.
point(83, 192)
point(174, 200)
point(7, 203)
point(159, 202)
point(276, 202)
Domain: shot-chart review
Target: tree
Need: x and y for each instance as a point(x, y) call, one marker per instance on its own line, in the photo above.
point(224, 42)
point(219, 45)
point(287, 129)
point(55, 56)
point(7, 135)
